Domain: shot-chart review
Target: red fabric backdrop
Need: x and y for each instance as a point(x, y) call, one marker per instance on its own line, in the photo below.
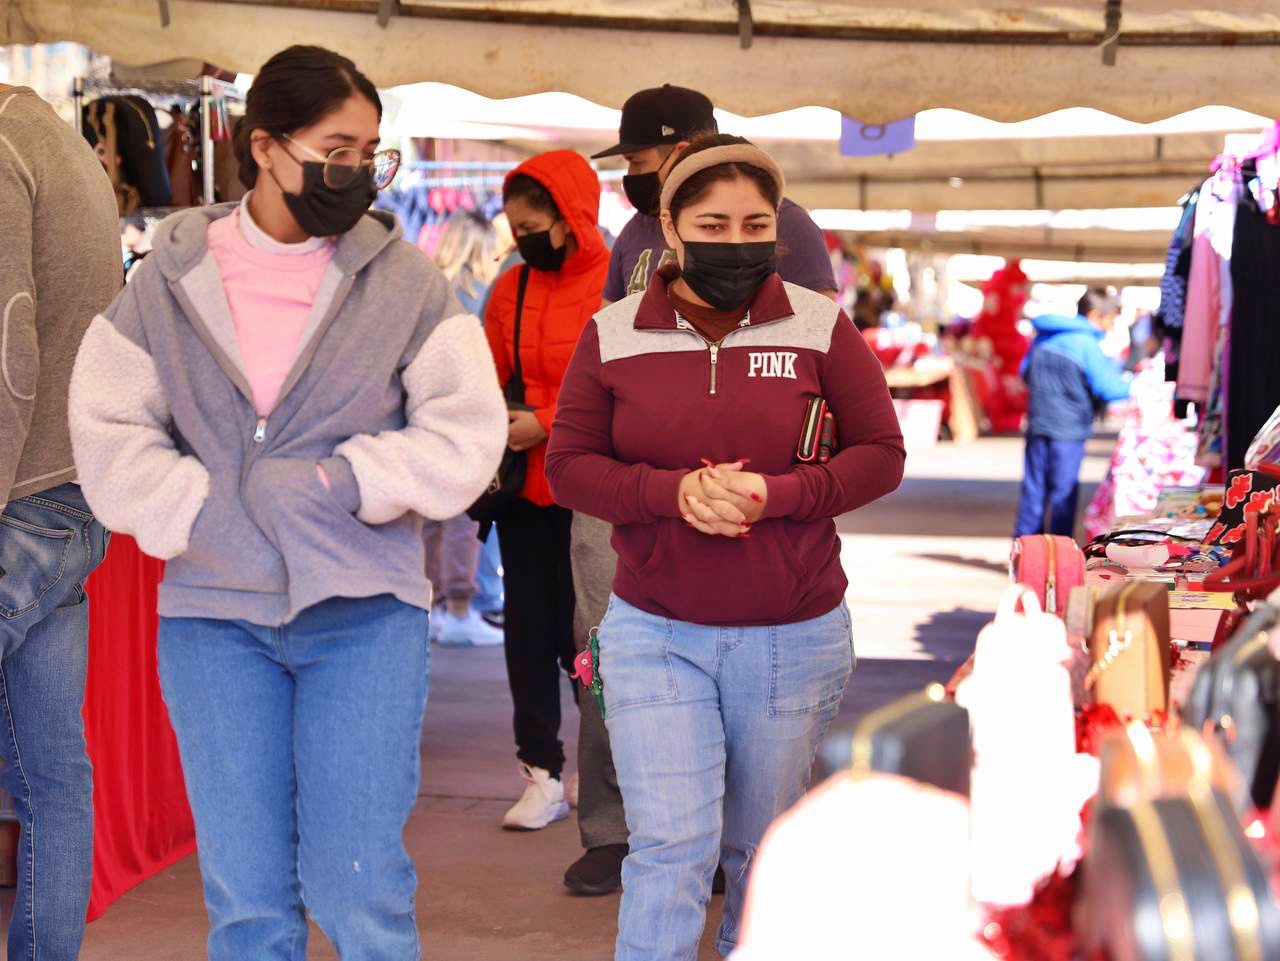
point(142, 822)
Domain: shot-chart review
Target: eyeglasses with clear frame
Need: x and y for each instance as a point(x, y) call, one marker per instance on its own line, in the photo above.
point(343, 164)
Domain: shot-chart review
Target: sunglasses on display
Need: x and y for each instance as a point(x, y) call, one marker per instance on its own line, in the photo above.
point(343, 164)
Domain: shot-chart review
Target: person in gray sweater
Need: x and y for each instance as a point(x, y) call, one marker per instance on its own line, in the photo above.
point(59, 265)
point(288, 499)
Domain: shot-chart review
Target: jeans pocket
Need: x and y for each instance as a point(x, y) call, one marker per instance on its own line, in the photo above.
point(811, 664)
point(33, 559)
point(635, 658)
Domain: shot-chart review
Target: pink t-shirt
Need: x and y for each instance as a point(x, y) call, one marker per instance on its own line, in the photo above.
point(270, 288)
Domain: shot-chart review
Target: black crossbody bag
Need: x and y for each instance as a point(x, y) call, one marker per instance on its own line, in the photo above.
point(509, 480)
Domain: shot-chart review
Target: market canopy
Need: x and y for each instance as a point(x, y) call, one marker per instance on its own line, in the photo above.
point(1139, 59)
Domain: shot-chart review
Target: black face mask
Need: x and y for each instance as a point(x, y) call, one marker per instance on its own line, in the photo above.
point(644, 191)
point(324, 211)
point(538, 253)
point(728, 275)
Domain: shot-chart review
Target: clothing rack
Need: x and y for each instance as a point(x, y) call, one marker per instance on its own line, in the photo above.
point(203, 89)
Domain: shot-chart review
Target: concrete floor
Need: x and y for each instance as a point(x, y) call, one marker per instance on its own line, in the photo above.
point(926, 567)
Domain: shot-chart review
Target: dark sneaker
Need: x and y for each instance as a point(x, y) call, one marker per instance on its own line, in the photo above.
point(598, 872)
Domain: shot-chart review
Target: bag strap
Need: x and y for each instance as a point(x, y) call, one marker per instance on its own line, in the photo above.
point(515, 387)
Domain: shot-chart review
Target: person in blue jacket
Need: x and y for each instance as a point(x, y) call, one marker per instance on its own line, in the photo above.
point(1069, 378)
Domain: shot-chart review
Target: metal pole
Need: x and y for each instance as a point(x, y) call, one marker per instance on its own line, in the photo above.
point(206, 136)
point(77, 103)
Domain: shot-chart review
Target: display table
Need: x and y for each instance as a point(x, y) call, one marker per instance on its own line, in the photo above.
point(142, 822)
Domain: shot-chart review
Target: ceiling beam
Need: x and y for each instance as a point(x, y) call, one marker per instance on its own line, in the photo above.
point(813, 31)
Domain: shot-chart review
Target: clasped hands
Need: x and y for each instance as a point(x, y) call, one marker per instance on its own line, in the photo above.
point(723, 500)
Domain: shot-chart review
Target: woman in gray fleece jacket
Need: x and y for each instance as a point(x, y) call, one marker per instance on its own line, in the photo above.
point(274, 402)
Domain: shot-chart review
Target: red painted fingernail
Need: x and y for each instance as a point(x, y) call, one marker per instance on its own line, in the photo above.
point(707, 463)
point(757, 498)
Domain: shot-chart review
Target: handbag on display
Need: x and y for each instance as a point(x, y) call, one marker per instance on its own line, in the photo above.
point(1028, 783)
point(126, 134)
point(1130, 650)
point(1050, 565)
point(1264, 453)
point(923, 736)
point(1175, 879)
point(1254, 569)
point(1247, 492)
point(1236, 695)
point(509, 479)
point(1140, 765)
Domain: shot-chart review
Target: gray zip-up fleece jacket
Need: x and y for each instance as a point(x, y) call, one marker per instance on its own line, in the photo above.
point(393, 392)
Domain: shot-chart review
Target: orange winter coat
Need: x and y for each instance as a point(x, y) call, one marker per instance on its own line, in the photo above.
point(556, 306)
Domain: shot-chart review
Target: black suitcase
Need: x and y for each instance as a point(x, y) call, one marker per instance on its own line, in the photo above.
point(1176, 880)
point(1237, 691)
point(924, 736)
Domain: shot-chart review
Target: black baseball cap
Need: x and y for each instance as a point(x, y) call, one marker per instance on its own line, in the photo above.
point(659, 115)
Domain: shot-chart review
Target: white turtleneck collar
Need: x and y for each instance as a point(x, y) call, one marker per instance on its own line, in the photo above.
point(259, 239)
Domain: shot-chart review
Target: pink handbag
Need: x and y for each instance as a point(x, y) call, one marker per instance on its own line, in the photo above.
point(1051, 566)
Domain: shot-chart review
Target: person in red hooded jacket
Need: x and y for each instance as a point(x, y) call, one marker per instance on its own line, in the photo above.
point(553, 203)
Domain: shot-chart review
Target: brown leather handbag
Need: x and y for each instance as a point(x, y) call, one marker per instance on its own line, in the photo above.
point(1130, 650)
point(1140, 765)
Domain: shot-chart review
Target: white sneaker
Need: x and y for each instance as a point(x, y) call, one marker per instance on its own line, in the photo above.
point(436, 624)
point(571, 790)
point(543, 802)
point(470, 631)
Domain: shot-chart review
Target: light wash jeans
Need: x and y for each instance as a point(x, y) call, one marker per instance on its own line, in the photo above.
point(488, 597)
point(714, 731)
point(49, 544)
point(300, 749)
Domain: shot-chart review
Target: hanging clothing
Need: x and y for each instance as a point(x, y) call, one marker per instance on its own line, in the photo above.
point(1253, 389)
point(1208, 302)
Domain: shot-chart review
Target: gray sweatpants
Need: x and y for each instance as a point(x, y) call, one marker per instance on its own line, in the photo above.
point(600, 815)
point(453, 551)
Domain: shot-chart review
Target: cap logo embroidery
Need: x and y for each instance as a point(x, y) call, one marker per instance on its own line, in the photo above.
point(668, 131)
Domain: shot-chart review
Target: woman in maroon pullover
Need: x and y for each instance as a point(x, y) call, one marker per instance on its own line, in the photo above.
point(727, 645)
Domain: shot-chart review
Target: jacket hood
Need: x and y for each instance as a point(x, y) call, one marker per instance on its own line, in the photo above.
point(181, 241)
point(1047, 324)
point(575, 188)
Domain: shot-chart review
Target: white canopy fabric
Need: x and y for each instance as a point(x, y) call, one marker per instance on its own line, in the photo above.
point(874, 61)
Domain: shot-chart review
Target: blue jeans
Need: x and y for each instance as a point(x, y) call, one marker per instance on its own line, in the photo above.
point(1050, 483)
point(713, 732)
point(488, 596)
point(300, 750)
point(49, 544)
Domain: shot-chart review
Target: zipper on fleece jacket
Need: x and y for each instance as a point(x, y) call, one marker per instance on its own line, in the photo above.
point(262, 425)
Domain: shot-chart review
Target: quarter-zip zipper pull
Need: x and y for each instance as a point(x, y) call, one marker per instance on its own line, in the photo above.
point(260, 434)
point(715, 357)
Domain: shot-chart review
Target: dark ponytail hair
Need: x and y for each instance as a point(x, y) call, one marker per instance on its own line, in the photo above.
point(295, 89)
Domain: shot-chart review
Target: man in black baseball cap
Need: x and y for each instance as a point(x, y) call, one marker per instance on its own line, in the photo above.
point(657, 126)
point(662, 115)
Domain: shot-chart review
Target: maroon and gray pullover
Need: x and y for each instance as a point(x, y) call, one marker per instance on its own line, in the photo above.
point(646, 398)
